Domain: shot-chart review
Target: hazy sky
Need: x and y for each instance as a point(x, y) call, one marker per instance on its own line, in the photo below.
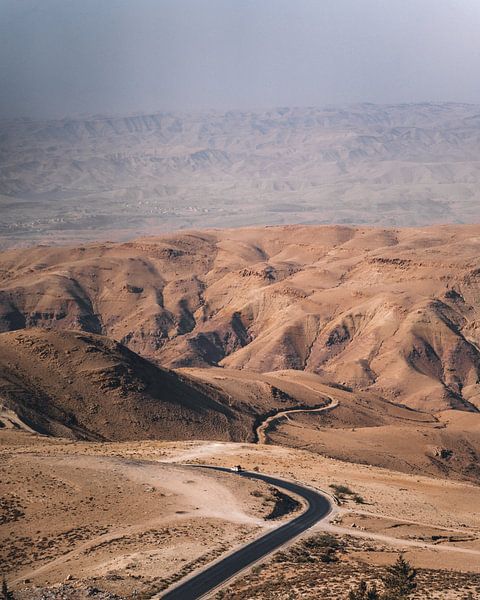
point(60, 57)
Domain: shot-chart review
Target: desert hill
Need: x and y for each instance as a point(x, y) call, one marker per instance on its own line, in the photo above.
point(391, 311)
point(86, 386)
point(118, 177)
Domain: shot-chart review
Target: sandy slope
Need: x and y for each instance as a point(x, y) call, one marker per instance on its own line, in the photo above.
point(259, 320)
point(86, 386)
point(362, 427)
point(90, 511)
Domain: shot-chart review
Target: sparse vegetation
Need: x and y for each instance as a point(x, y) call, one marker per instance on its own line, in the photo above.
point(257, 569)
point(323, 547)
point(328, 545)
point(399, 583)
point(358, 499)
point(323, 540)
point(300, 573)
point(343, 492)
point(400, 580)
point(364, 592)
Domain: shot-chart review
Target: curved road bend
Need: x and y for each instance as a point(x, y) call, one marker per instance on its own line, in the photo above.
point(261, 430)
point(319, 506)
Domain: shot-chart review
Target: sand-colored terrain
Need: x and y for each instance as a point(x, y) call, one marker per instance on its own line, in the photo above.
point(447, 445)
point(89, 387)
point(127, 516)
point(434, 522)
point(110, 515)
point(85, 386)
point(336, 356)
point(357, 427)
point(391, 311)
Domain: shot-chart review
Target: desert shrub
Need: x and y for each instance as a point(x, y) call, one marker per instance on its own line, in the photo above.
point(341, 490)
point(324, 546)
point(399, 584)
point(364, 592)
point(257, 494)
point(258, 569)
point(329, 555)
point(399, 581)
point(281, 557)
point(359, 499)
point(323, 540)
point(6, 594)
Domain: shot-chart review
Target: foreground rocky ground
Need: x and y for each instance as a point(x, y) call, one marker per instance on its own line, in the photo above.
point(100, 520)
point(309, 569)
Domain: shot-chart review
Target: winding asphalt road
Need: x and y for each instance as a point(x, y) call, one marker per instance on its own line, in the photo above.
point(262, 429)
point(319, 506)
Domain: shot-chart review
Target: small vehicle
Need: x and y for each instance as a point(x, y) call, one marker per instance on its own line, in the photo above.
point(237, 468)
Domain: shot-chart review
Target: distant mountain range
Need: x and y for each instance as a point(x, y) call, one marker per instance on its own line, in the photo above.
point(117, 177)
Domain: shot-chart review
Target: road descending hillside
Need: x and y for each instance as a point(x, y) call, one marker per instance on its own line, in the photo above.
point(319, 506)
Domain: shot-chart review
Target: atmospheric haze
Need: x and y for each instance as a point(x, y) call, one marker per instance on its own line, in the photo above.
point(64, 57)
point(242, 234)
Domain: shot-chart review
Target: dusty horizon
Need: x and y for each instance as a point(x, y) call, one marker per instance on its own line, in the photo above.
point(122, 57)
point(239, 299)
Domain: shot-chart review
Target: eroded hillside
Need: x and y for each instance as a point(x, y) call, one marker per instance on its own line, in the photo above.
point(86, 386)
point(386, 310)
